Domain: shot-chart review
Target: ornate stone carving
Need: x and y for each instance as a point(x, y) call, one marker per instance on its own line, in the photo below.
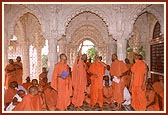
point(121, 49)
point(90, 9)
point(20, 10)
point(102, 52)
point(134, 41)
point(25, 58)
point(7, 8)
point(158, 12)
point(116, 20)
point(39, 41)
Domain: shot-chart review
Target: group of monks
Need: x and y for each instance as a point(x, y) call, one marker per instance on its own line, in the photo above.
point(86, 82)
point(13, 71)
point(31, 95)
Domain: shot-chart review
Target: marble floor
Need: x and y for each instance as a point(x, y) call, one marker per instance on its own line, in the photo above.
point(106, 107)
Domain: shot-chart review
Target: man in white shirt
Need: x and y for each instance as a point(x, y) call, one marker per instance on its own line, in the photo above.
point(16, 99)
point(19, 87)
point(127, 97)
point(107, 73)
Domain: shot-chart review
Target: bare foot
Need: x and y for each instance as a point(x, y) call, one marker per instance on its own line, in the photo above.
point(101, 108)
point(79, 108)
point(92, 108)
point(119, 107)
point(74, 108)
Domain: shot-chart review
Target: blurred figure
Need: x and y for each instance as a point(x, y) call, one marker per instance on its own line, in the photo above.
point(51, 98)
point(9, 94)
point(87, 93)
point(152, 99)
point(19, 87)
point(27, 83)
point(108, 93)
point(118, 71)
point(35, 82)
point(79, 80)
point(30, 102)
point(159, 89)
point(128, 76)
point(16, 99)
point(107, 74)
point(96, 71)
point(10, 73)
point(138, 84)
point(19, 70)
point(61, 82)
point(43, 75)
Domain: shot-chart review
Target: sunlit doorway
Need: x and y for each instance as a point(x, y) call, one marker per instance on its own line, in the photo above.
point(89, 48)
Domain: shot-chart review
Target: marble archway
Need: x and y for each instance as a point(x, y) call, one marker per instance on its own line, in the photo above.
point(86, 25)
point(28, 33)
point(72, 49)
point(142, 36)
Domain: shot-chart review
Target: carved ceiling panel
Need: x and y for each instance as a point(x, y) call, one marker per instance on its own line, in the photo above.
point(30, 25)
point(110, 15)
point(84, 25)
point(145, 24)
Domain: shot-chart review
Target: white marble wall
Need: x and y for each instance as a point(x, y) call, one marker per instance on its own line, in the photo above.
point(118, 21)
point(52, 56)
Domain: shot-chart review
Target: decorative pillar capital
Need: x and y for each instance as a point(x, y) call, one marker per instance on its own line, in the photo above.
point(25, 59)
point(121, 48)
point(52, 55)
point(39, 41)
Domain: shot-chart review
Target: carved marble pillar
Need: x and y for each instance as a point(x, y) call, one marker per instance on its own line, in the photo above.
point(121, 48)
point(52, 41)
point(62, 46)
point(6, 40)
point(68, 53)
point(72, 55)
point(52, 56)
point(148, 54)
point(134, 41)
point(111, 49)
point(102, 52)
point(39, 44)
point(25, 60)
point(39, 62)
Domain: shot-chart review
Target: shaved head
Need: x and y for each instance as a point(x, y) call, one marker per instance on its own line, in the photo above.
point(97, 58)
point(18, 58)
point(140, 57)
point(11, 61)
point(33, 90)
point(84, 57)
point(34, 82)
point(114, 57)
point(21, 93)
point(63, 58)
